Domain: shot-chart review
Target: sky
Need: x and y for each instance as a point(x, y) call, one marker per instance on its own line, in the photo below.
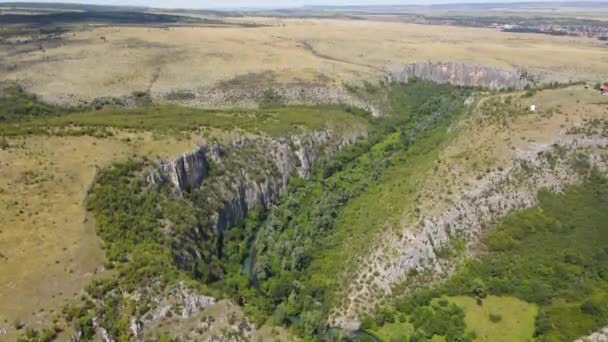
point(211, 4)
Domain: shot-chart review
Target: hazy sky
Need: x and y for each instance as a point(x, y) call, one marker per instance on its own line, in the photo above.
point(264, 3)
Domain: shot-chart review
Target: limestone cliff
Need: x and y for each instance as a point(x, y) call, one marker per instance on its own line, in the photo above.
point(417, 248)
point(230, 180)
point(188, 170)
point(249, 172)
point(461, 74)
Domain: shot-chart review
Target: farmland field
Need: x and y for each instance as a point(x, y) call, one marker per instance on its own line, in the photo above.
point(83, 66)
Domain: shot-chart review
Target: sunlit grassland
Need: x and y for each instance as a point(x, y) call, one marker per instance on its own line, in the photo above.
point(513, 318)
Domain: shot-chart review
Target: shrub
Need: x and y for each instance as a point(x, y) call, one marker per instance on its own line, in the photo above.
point(495, 318)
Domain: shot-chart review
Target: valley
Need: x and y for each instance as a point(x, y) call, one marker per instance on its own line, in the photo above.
point(184, 175)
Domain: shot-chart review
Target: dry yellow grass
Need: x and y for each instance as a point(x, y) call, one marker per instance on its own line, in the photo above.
point(310, 50)
point(484, 142)
point(49, 250)
point(479, 144)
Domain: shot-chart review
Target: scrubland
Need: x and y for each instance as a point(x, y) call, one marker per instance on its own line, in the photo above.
point(324, 246)
point(116, 61)
point(49, 247)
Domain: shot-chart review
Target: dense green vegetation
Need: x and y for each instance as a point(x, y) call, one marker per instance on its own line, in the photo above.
point(293, 280)
point(17, 104)
point(272, 120)
point(128, 218)
point(553, 255)
point(284, 265)
point(321, 224)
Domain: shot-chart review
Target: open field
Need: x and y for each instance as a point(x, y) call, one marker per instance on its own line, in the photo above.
point(516, 320)
point(115, 61)
point(49, 157)
point(48, 247)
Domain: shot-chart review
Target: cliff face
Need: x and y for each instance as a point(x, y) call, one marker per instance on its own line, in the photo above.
point(231, 180)
point(417, 249)
point(460, 74)
point(249, 172)
point(186, 171)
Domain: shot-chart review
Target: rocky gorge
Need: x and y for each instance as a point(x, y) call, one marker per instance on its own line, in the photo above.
point(246, 174)
point(249, 172)
point(417, 249)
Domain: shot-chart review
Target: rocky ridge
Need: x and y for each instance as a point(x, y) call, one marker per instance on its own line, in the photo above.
point(462, 74)
point(246, 174)
point(417, 248)
point(598, 336)
point(179, 305)
point(252, 97)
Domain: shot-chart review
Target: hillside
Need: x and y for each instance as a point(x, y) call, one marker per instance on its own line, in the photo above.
point(313, 175)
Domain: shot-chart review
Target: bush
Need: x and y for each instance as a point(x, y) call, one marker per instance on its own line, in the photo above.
point(495, 318)
point(590, 308)
point(4, 144)
point(18, 324)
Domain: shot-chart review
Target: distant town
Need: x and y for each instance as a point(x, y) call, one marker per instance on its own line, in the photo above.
point(592, 31)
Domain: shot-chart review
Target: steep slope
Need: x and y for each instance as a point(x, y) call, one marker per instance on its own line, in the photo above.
point(501, 155)
point(247, 174)
point(168, 240)
point(463, 75)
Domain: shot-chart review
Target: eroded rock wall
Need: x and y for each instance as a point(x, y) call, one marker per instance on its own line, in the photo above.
point(417, 249)
point(231, 180)
point(249, 173)
point(188, 170)
point(460, 74)
point(252, 97)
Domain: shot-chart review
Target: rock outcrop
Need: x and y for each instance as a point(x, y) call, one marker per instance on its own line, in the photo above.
point(188, 170)
point(249, 173)
point(231, 180)
point(251, 97)
point(417, 249)
point(461, 74)
point(598, 336)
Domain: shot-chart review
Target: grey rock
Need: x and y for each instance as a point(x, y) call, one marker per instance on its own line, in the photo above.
point(193, 302)
point(76, 336)
point(461, 74)
point(135, 326)
point(252, 97)
point(249, 173)
point(188, 170)
point(598, 336)
point(417, 248)
point(105, 337)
